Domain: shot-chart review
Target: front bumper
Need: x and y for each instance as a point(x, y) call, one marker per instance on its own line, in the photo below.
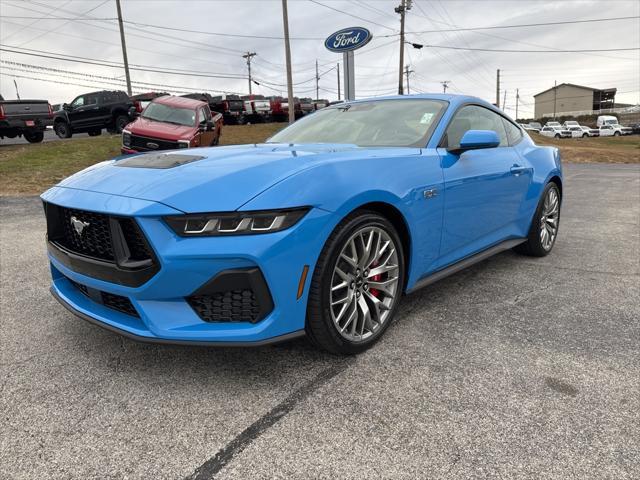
point(188, 264)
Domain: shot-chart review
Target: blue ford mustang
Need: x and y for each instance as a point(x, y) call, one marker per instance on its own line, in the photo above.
point(318, 231)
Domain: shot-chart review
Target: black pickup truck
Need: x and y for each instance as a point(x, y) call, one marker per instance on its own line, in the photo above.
point(94, 111)
point(28, 118)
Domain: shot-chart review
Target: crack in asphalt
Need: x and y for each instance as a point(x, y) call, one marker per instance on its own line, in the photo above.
point(211, 467)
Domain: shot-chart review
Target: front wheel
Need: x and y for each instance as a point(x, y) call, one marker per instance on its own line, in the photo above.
point(584, 135)
point(121, 122)
point(356, 285)
point(544, 226)
point(616, 134)
point(557, 135)
point(34, 137)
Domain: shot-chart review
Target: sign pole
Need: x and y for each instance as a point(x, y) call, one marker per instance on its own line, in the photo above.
point(349, 75)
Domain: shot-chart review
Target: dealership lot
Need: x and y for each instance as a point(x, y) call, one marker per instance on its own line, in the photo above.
point(515, 367)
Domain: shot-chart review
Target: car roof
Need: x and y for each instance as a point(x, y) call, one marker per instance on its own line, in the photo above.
point(454, 100)
point(179, 102)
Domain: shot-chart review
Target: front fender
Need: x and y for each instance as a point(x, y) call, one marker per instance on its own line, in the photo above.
point(343, 186)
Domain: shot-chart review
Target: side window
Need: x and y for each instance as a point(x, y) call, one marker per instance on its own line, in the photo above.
point(514, 134)
point(78, 102)
point(91, 100)
point(202, 116)
point(473, 117)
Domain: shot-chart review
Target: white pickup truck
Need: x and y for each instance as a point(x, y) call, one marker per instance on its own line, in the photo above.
point(579, 131)
point(614, 130)
point(555, 131)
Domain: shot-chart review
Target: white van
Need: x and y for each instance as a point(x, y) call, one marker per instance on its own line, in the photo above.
point(607, 120)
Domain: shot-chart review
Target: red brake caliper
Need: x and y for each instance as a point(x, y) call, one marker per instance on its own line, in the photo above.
point(375, 278)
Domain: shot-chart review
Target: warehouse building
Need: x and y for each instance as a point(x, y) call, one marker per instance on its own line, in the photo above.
point(568, 97)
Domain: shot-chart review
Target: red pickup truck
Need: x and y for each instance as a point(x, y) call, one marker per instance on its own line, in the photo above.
point(170, 122)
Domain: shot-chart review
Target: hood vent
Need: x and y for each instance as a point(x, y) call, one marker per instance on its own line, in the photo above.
point(158, 160)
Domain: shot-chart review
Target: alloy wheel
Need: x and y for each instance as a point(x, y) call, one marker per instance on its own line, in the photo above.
point(549, 219)
point(364, 284)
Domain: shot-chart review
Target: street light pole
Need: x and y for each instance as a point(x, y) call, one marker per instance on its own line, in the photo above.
point(249, 56)
point(407, 72)
point(338, 80)
point(287, 52)
point(404, 6)
point(124, 48)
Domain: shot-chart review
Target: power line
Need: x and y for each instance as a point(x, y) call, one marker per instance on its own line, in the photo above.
point(103, 63)
point(351, 15)
point(524, 25)
point(501, 50)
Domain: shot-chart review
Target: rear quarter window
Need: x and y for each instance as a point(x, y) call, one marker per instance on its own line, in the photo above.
point(514, 134)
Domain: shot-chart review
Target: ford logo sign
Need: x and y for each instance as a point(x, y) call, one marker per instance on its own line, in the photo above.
point(348, 39)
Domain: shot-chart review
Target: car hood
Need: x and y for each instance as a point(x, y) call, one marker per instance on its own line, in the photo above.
point(217, 178)
point(166, 131)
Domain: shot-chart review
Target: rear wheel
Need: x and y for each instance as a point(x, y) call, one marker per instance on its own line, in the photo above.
point(63, 130)
point(544, 227)
point(95, 133)
point(34, 137)
point(356, 285)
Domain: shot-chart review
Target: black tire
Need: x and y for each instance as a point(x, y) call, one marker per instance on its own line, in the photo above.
point(120, 122)
point(584, 135)
point(616, 134)
point(63, 130)
point(95, 133)
point(34, 137)
point(533, 246)
point(557, 135)
point(320, 327)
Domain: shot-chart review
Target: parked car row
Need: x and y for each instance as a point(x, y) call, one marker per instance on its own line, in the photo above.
point(607, 126)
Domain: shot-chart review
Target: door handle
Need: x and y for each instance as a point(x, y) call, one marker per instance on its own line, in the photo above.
point(95, 108)
point(517, 170)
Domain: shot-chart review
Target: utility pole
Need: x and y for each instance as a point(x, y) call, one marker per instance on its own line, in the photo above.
point(445, 85)
point(504, 102)
point(555, 97)
point(517, 101)
point(249, 56)
point(404, 6)
point(407, 72)
point(498, 89)
point(287, 52)
point(317, 81)
point(338, 80)
point(124, 48)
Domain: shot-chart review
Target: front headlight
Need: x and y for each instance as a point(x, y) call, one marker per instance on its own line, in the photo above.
point(184, 143)
point(126, 138)
point(235, 223)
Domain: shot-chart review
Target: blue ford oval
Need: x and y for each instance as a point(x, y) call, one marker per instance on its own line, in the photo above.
point(348, 39)
point(318, 232)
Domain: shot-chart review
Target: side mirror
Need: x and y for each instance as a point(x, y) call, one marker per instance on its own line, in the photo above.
point(132, 112)
point(67, 107)
point(210, 125)
point(477, 140)
point(202, 128)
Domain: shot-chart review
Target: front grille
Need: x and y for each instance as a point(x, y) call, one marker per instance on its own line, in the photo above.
point(109, 300)
point(140, 143)
point(95, 239)
point(229, 306)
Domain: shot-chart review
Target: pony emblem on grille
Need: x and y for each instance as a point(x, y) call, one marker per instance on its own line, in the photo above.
point(78, 225)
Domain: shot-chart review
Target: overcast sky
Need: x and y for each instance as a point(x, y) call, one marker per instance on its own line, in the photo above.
point(469, 72)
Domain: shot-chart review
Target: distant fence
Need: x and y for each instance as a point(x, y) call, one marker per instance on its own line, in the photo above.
point(604, 111)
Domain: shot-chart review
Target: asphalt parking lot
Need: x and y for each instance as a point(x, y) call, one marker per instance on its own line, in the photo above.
point(515, 368)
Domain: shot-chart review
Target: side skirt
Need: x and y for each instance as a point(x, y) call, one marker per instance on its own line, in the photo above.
point(466, 262)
